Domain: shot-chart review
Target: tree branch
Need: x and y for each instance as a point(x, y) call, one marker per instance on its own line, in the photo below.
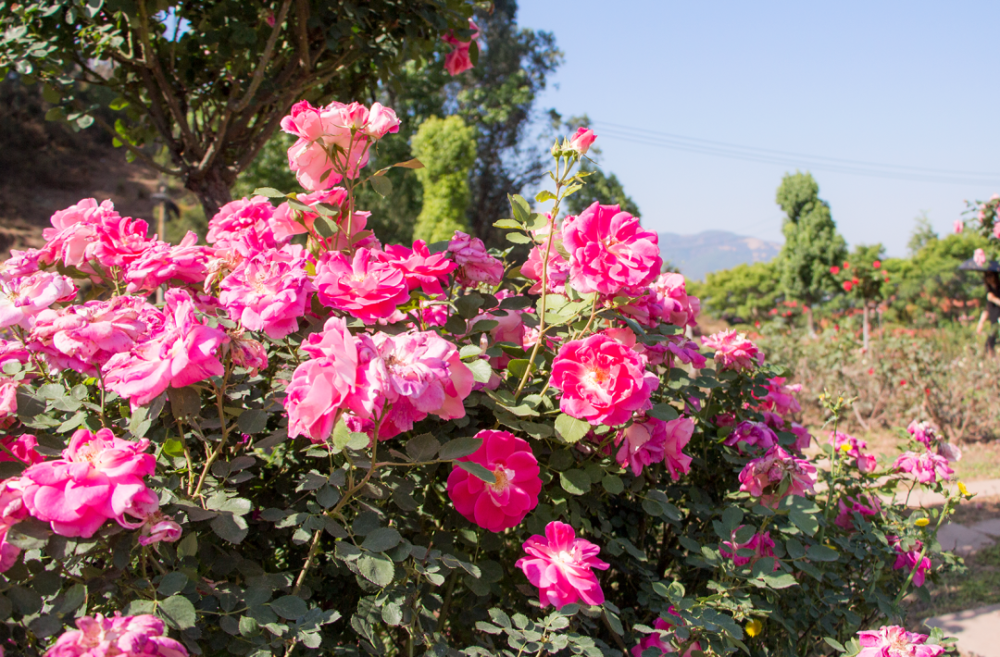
point(125, 142)
point(301, 25)
point(258, 75)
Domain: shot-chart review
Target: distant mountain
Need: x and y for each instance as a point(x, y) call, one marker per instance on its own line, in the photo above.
point(712, 250)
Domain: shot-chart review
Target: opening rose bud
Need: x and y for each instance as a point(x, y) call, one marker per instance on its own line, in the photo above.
point(581, 141)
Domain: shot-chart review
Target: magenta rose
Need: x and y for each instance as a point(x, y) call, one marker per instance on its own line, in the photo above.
point(561, 566)
point(127, 636)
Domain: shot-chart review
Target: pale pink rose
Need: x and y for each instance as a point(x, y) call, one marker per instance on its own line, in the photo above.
point(958, 226)
point(979, 257)
point(242, 222)
point(98, 478)
point(20, 263)
point(246, 352)
point(12, 511)
point(503, 504)
point(162, 262)
point(422, 269)
point(733, 351)
point(761, 544)
point(269, 291)
point(13, 351)
point(458, 60)
point(924, 432)
point(475, 265)
point(84, 337)
point(951, 452)
point(343, 374)
point(363, 287)
point(866, 463)
point(926, 468)
point(426, 376)
point(561, 566)
point(182, 352)
point(609, 251)
point(996, 230)
point(555, 278)
point(159, 528)
point(910, 560)
point(20, 448)
point(752, 434)
point(854, 445)
point(763, 477)
point(602, 380)
point(21, 299)
point(125, 636)
point(334, 141)
point(665, 642)
point(867, 506)
point(8, 397)
point(581, 140)
point(894, 641)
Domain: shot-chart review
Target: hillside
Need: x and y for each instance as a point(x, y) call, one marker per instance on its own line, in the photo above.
point(712, 250)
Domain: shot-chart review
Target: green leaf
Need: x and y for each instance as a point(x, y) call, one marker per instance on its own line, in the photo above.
point(664, 412)
point(376, 569)
point(458, 448)
point(410, 164)
point(574, 482)
point(508, 224)
point(822, 553)
point(252, 420)
point(381, 184)
point(731, 518)
point(178, 612)
point(544, 195)
point(833, 643)
point(423, 447)
point(381, 539)
point(188, 547)
point(185, 403)
point(229, 527)
point(290, 607)
point(172, 583)
point(519, 238)
point(613, 484)
point(477, 471)
point(804, 521)
point(269, 192)
point(570, 429)
point(481, 370)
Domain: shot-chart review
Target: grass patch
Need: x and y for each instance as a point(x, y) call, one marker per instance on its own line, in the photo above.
point(977, 586)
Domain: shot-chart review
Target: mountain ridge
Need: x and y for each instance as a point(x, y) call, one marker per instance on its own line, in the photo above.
point(713, 250)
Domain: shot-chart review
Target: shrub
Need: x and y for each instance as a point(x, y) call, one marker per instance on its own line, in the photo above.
point(347, 448)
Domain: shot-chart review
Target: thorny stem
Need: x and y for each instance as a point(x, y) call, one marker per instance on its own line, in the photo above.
point(220, 392)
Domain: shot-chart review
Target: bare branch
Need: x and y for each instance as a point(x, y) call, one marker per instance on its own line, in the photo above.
point(258, 75)
point(301, 23)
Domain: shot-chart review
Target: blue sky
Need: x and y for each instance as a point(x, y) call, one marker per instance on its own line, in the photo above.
point(909, 84)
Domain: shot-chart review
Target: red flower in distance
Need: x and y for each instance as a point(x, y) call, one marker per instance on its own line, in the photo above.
point(835, 270)
point(877, 264)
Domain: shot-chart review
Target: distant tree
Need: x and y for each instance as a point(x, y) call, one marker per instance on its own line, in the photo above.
point(741, 294)
point(605, 188)
point(447, 147)
point(212, 83)
point(812, 243)
point(922, 234)
point(864, 281)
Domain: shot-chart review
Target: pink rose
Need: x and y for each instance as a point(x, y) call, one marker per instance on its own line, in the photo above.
point(21, 299)
point(602, 380)
point(458, 60)
point(952, 453)
point(911, 560)
point(752, 434)
point(926, 468)
point(246, 352)
point(503, 504)
point(959, 226)
point(422, 269)
point(269, 291)
point(426, 376)
point(98, 478)
point(866, 506)
point(733, 351)
point(780, 398)
point(761, 544)
point(475, 264)
point(287, 221)
point(84, 337)
point(764, 477)
point(560, 565)
point(182, 352)
point(979, 257)
point(581, 140)
point(72, 239)
point(20, 448)
point(12, 511)
point(363, 287)
point(663, 641)
point(163, 262)
point(804, 438)
point(609, 251)
point(866, 463)
point(127, 636)
point(923, 432)
point(894, 641)
point(159, 528)
point(854, 445)
point(555, 278)
point(247, 220)
point(653, 441)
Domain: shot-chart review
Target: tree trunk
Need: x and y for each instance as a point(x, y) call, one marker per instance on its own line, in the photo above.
point(809, 320)
point(865, 326)
point(212, 189)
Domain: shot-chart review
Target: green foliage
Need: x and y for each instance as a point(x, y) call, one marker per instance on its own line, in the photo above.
point(449, 148)
point(743, 293)
point(812, 243)
point(922, 234)
point(602, 187)
point(168, 85)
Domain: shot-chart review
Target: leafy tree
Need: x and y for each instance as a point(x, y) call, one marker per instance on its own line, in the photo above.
point(812, 243)
point(864, 281)
point(212, 83)
point(922, 233)
point(448, 148)
point(741, 294)
point(602, 187)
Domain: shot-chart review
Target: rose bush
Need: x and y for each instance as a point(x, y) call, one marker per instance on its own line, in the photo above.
point(339, 447)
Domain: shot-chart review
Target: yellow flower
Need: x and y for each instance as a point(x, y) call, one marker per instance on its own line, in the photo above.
point(845, 448)
point(922, 522)
point(755, 627)
point(962, 489)
point(840, 400)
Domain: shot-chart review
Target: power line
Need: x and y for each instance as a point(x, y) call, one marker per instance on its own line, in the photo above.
point(784, 158)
